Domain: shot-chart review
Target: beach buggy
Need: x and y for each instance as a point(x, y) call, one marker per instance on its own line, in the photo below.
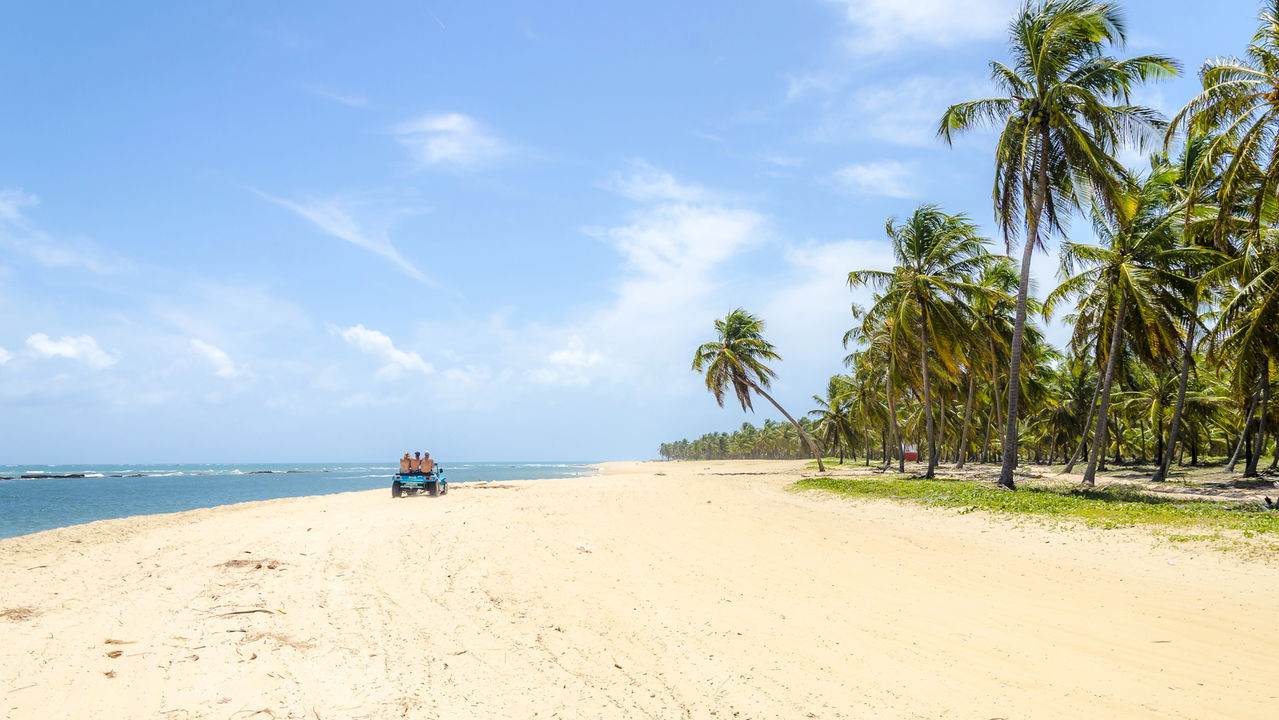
point(418, 476)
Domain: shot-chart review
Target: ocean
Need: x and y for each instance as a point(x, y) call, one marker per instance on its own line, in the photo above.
point(42, 502)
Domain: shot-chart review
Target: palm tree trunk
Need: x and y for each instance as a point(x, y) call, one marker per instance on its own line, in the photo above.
point(1250, 470)
point(928, 399)
point(985, 445)
point(968, 414)
point(1247, 425)
point(811, 446)
point(1035, 209)
point(995, 399)
point(1014, 370)
point(1159, 441)
point(1083, 435)
point(1099, 437)
point(1187, 358)
point(895, 443)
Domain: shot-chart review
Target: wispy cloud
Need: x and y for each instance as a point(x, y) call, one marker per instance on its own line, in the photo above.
point(380, 346)
point(813, 297)
point(20, 235)
point(786, 161)
point(83, 349)
point(337, 96)
point(889, 25)
point(222, 364)
point(569, 365)
point(449, 140)
point(889, 178)
point(642, 182)
point(673, 247)
point(5, 356)
point(903, 113)
point(336, 217)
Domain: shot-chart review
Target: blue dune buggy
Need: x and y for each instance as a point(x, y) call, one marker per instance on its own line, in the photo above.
point(432, 483)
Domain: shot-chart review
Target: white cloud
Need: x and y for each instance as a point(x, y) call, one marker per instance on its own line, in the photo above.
point(814, 299)
point(675, 248)
point(5, 356)
point(20, 235)
point(336, 217)
point(82, 349)
point(569, 365)
point(889, 178)
point(380, 346)
point(681, 240)
point(12, 200)
point(222, 364)
point(887, 25)
point(449, 140)
point(906, 112)
point(644, 183)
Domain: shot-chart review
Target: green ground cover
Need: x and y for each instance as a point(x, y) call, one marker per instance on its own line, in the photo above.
point(1103, 507)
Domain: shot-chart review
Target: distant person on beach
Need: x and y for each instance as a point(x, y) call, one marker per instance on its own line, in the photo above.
point(427, 464)
point(415, 465)
point(406, 464)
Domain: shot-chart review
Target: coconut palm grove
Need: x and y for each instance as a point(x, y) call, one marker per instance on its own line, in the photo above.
point(1169, 279)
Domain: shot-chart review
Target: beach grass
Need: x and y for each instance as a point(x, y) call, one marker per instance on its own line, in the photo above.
point(1182, 520)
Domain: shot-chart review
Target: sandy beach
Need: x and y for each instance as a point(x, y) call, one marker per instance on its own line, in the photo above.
point(656, 590)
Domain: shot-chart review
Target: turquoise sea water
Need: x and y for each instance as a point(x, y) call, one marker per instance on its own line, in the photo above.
point(41, 502)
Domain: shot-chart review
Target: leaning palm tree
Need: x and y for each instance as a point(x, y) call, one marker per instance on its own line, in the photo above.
point(737, 359)
point(929, 291)
point(1065, 113)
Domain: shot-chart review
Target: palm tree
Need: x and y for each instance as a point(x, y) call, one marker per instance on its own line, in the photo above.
point(1133, 270)
point(1240, 102)
point(867, 404)
point(1065, 113)
point(885, 344)
point(1195, 188)
point(833, 424)
point(991, 329)
point(928, 291)
point(737, 358)
point(1247, 330)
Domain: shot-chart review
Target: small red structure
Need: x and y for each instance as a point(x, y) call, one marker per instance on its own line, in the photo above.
point(909, 453)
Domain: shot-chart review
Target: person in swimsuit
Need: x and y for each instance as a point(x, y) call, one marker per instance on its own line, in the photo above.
point(406, 464)
point(427, 465)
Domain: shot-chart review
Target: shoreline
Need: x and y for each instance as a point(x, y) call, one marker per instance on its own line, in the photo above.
point(40, 502)
point(657, 588)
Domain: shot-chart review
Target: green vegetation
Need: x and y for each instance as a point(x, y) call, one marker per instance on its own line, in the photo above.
point(1109, 507)
point(1175, 308)
point(737, 358)
point(772, 441)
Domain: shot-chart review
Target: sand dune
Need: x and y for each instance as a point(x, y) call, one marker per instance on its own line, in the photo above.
point(658, 590)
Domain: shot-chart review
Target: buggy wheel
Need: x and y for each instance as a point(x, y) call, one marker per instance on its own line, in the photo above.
point(395, 489)
point(444, 488)
point(434, 488)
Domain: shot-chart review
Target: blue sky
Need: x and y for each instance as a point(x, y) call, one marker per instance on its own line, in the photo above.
point(334, 231)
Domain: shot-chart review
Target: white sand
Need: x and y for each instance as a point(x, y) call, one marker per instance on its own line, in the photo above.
point(659, 590)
